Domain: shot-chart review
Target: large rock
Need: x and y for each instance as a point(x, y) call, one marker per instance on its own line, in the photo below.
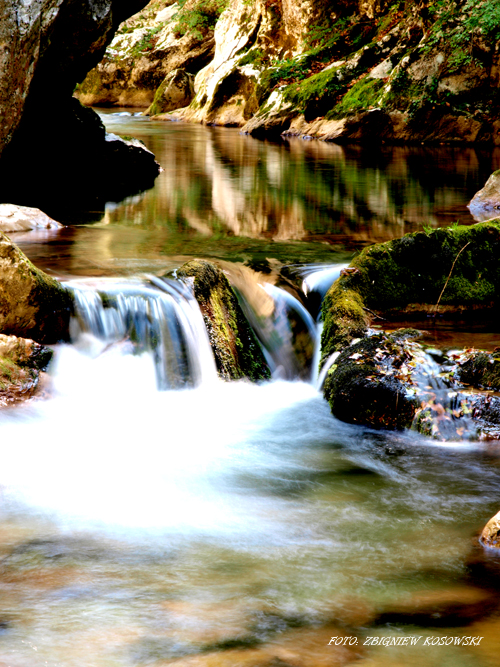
point(32, 304)
point(236, 349)
point(486, 202)
point(23, 218)
point(49, 46)
point(384, 381)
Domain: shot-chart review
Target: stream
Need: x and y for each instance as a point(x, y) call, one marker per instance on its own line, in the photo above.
point(152, 514)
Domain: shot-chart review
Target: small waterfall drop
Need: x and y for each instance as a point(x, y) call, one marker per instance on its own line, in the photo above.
point(157, 316)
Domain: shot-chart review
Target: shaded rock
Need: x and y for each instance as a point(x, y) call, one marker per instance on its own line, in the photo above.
point(50, 46)
point(175, 92)
point(236, 350)
point(22, 218)
point(490, 535)
point(371, 382)
point(479, 369)
point(32, 304)
point(486, 203)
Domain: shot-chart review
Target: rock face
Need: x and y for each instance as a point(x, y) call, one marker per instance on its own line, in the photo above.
point(48, 47)
point(23, 219)
point(32, 304)
point(340, 72)
point(175, 92)
point(236, 350)
point(149, 46)
point(486, 203)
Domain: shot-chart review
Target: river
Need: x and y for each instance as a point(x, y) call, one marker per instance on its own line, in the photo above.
point(230, 524)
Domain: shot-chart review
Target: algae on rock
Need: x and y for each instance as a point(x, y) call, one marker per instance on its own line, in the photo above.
point(32, 304)
point(236, 349)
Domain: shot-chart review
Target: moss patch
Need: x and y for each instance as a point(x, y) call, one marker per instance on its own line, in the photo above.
point(236, 350)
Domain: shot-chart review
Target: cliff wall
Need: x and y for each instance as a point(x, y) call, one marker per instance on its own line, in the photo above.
point(345, 71)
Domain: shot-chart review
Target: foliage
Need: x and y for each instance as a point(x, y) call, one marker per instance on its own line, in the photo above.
point(199, 18)
point(364, 94)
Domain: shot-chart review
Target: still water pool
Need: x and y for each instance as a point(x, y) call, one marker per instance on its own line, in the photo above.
point(232, 524)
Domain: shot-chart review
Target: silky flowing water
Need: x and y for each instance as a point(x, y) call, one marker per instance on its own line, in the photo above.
point(152, 514)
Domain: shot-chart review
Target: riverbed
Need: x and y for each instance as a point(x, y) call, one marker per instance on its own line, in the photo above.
point(232, 524)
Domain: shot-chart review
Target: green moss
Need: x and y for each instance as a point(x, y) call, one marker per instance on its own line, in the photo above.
point(343, 319)
point(236, 350)
point(198, 18)
point(361, 96)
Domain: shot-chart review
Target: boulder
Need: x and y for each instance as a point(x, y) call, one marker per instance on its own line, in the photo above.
point(175, 92)
point(32, 304)
point(388, 380)
point(236, 350)
point(50, 46)
point(23, 218)
point(486, 202)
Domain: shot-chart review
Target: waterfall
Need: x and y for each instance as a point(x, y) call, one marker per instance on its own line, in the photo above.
point(153, 315)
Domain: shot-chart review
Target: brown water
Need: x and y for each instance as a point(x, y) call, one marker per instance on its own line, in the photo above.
point(238, 525)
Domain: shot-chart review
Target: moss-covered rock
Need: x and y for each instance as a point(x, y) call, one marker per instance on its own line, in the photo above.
point(371, 382)
point(236, 349)
point(451, 272)
point(32, 304)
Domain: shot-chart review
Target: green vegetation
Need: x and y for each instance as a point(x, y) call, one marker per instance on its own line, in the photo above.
point(364, 94)
point(198, 18)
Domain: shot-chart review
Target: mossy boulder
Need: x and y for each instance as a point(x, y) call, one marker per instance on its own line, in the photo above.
point(236, 350)
point(446, 273)
point(371, 381)
point(452, 272)
point(32, 304)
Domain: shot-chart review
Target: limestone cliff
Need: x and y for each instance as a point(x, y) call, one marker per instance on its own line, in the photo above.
point(345, 71)
point(47, 47)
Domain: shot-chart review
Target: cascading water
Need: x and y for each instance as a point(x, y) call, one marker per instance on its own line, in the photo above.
point(159, 316)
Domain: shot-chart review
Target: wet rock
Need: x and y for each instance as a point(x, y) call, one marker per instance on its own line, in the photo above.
point(371, 382)
point(21, 361)
point(490, 535)
point(236, 350)
point(32, 304)
point(486, 203)
point(176, 91)
point(479, 369)
point(23, 218)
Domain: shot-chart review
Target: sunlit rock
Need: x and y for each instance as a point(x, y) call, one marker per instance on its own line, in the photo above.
point(490, 536)
point(176, 91)
point(235, 347)
point(23, 218)
point(32, 304)
point(21, 361)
